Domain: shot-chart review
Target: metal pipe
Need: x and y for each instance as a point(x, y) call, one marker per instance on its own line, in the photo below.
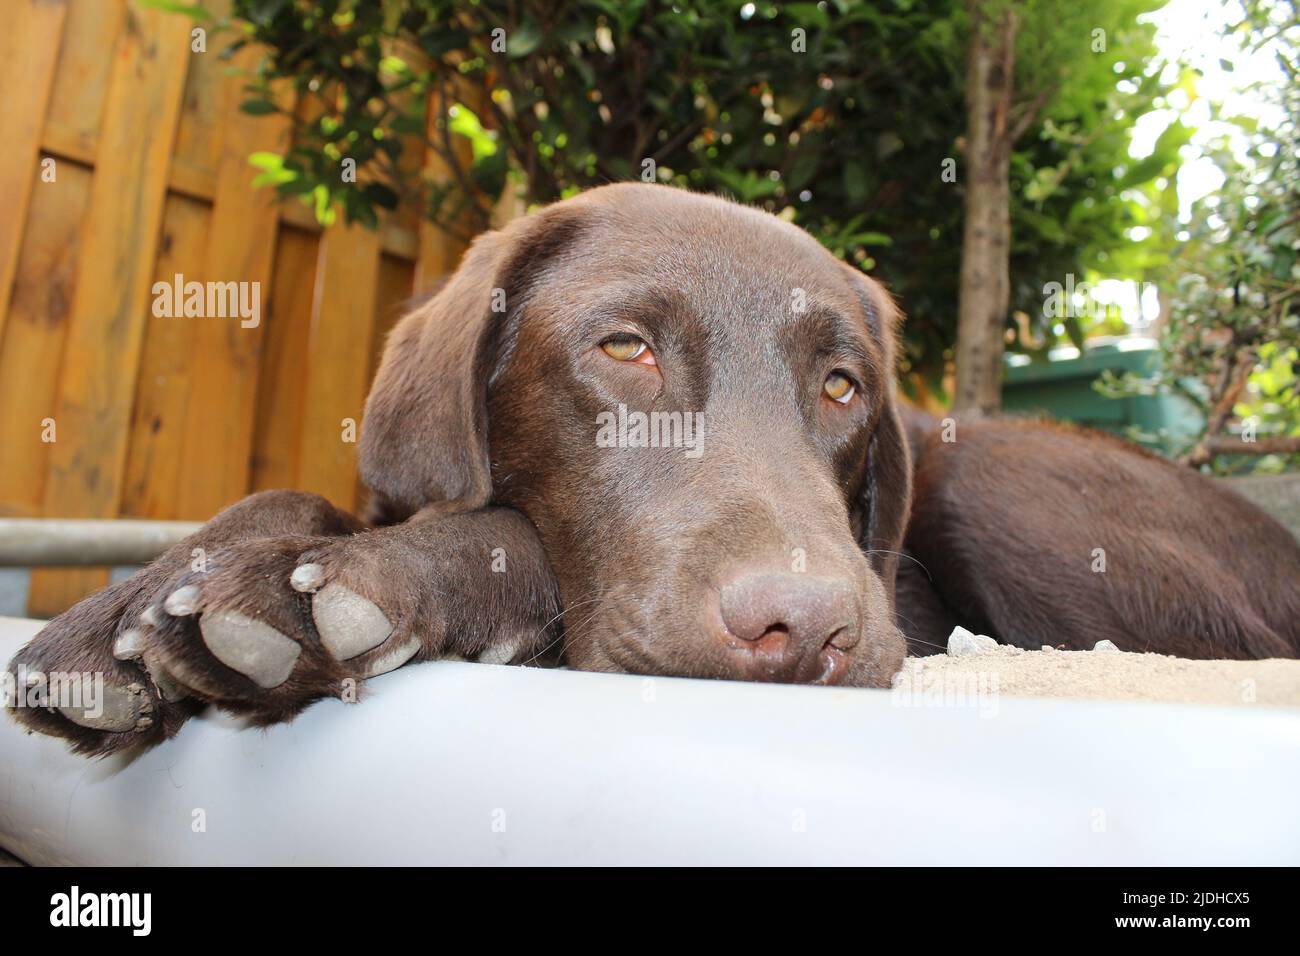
point(85, 542)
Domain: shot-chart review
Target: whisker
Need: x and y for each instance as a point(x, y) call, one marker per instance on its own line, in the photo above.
point(577, 604)
point(903, 554)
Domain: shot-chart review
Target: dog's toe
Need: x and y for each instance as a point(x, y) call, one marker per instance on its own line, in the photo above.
point(254, 649)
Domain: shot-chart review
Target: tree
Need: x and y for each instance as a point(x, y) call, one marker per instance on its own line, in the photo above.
point(1023, 58)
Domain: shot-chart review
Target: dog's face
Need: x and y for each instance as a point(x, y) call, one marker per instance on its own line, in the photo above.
point(691, 401)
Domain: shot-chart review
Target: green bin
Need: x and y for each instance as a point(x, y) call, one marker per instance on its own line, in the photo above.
point(1061, 388)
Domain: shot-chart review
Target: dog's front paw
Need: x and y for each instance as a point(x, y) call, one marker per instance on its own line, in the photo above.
point(68, 682)
point(260, 627)
point(272, 624)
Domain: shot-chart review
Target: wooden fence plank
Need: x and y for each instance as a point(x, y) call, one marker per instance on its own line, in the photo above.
point(196, 153)
point(284, 356)
point(82, 76)
point(31, 349)
point(439, 251)
point(155, 466)
point(111, 301)
point(29, 44)
point(337, 372)
point(392, 297)
point(241, 249)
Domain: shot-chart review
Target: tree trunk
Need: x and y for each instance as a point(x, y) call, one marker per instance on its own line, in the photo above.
point(984, 298)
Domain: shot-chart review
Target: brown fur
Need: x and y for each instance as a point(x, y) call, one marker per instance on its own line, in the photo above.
point(1012, 518)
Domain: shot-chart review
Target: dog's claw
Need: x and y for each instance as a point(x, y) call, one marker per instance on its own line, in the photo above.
point(167, 686)
point(150, 617)
point(183, 602)
point(307, 578)
point(129, 645)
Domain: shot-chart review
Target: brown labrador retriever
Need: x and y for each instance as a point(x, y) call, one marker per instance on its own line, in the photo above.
point(654, 432)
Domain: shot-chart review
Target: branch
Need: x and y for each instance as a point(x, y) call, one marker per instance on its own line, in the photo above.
point(1029, 113)
point(1229, 445)
point(1230, 389)
point(684, 135)
point(1234, 384)
point(448, 153)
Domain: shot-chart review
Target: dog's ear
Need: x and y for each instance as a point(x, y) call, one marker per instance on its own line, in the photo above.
point(424, 436)
point(885, 498)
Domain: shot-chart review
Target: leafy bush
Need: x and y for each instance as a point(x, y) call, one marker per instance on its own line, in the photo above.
point(1233, 327)
point(839, 115)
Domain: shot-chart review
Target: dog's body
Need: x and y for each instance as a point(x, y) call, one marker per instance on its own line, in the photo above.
point(507, 528)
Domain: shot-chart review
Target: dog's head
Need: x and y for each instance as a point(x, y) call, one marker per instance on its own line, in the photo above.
point(693, 403)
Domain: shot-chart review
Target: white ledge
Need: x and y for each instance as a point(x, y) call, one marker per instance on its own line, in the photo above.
point(456, 763)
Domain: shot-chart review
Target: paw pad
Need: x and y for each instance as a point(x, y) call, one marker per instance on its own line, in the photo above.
point(348, 624)
point(256, 650)
point(118, 710)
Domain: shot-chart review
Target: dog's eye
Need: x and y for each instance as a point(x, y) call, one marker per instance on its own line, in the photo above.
point(628, 348)
point(839, 388)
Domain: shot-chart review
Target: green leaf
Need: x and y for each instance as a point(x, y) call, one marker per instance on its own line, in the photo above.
point(258, 107)
point(194, 10)
point(523, 40)
point(808, 15)
point(463, 121)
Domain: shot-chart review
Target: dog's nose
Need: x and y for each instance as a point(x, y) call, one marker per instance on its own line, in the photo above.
point(790, 627)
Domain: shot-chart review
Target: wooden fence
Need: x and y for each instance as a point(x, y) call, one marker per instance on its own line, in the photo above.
point(124, 162)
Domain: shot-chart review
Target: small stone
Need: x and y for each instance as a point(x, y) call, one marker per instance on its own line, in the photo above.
point(1048, 647)
point(1105, 646)
point(961, 642)
point(985, 643)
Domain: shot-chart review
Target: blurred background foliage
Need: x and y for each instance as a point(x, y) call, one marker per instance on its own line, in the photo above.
point(841, 116)
point(1231, 338)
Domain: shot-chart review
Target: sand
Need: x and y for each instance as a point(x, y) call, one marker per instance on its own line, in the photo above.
point(1109, 675)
